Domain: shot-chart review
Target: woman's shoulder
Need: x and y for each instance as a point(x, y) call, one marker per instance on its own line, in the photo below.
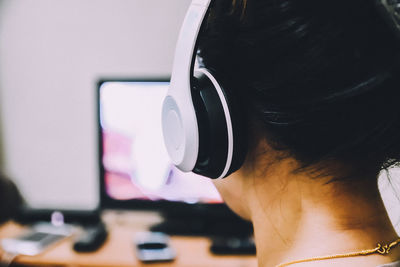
point(393, 264)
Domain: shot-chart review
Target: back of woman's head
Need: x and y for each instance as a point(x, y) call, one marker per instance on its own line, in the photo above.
point(319, 78)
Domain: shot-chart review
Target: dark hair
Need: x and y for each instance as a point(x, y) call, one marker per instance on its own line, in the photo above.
point(321, 78)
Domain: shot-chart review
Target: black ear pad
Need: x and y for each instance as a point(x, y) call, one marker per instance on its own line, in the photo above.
point(213, 129)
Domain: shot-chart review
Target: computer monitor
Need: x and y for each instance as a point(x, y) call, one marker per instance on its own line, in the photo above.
point(135, 164)
point(135, 170)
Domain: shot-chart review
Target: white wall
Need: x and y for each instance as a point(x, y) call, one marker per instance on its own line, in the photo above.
point(51, 55)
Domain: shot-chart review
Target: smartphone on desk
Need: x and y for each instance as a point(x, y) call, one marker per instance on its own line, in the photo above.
point(153, 247)
point(36, 239)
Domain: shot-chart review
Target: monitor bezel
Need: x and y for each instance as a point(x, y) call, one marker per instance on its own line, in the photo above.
point(106, 202)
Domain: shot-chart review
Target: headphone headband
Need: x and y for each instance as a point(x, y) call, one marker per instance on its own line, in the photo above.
point(186, 45)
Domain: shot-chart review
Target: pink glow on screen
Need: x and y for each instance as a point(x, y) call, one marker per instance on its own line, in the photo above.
point(135, 161)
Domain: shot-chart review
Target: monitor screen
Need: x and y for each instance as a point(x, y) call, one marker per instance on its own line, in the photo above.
point(135, 164)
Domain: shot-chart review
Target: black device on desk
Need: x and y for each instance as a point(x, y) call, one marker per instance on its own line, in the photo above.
point(136, 172)
point(91, 239)
point(233, 246)
point(153, 247)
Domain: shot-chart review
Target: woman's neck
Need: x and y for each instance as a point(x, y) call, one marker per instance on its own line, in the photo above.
point(296, 217)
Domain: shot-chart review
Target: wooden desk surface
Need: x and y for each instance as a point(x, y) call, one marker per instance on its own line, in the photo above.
point(119, 249)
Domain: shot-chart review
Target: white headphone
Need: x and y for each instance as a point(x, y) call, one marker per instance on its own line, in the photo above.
point(202, 124)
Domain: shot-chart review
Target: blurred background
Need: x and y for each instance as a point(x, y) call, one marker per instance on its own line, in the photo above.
point(52, 54)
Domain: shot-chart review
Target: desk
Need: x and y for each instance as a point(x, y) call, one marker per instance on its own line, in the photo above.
point(119, 250)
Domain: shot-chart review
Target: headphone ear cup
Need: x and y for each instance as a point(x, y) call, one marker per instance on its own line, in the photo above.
point(222, 139)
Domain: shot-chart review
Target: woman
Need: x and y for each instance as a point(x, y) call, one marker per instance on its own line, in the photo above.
point(319, 83)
